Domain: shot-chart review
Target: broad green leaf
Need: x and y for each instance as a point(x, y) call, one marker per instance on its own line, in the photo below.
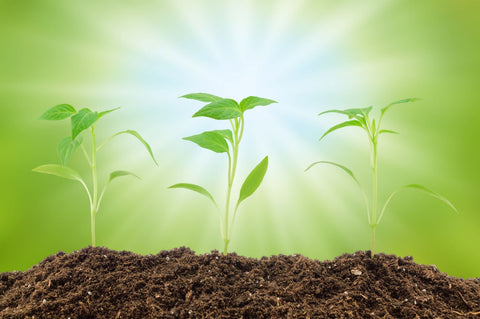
point(116, 174)
point(106, 112)
point(339, 126)
point(58, 170)
point(223, 109)
point(383, 110)
point(226, 134)
point(388, 131)
point(140, 138)
point(419, 187)
point(59, 112)
point(82, 121)
point(253, 101)
point(211, 140)
point(253, 180)
point(348, 171)
point(195, 188)
point(67, 147)
point(202, 97)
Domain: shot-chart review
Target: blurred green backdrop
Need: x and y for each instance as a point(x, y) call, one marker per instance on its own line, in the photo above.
point(309, 56)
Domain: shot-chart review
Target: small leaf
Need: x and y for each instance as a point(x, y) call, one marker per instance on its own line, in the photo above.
point(227, 134)
point(202, 97)
point(339, 126)
point(253, 101)
point(195, 188)
point(140, 138)
point(388, 131)
point(348, 171)
point(116, 174)
point(432, 193)
point(351, 113)
point(59, 112)
point(211, 140)
point(67, 147)
point(58, 170)
point(383, 110)
point(419, 187)
point(253, 180)
point(223, 109)
point(106, 112)
point(82, 121)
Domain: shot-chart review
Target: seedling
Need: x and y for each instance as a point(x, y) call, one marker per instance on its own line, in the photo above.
point(83, 120)
point(218, 141)
point(360, 118)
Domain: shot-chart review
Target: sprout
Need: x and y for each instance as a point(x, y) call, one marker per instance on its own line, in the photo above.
point(360, 118)
point(227, 141)
point(81, 121)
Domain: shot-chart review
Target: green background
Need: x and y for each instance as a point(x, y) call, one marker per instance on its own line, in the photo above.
point(307, 55)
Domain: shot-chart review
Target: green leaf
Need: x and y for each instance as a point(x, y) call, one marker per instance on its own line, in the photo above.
point(67, 147)
point(82, 121)
point(351, 113)
point(59, 112)
point(223, 109)
point(116, 174)
point(106, 112)
point(227, 134)
point(210, 140)
point(140, 138)
point(341, 125)
point(383, 110)
point(195, 188)
point(58, 170)
point(253, 180)
point(388, 131)
point(423, 189)
point(202, 97)
point(253, 101)
point(348, 171)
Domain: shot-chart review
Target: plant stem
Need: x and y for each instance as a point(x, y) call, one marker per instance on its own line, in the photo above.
point(374, 192)
point(237, 127)
point(373, 241)
point(93, 208)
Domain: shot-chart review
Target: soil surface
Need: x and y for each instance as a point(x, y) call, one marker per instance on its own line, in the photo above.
point(101, 283)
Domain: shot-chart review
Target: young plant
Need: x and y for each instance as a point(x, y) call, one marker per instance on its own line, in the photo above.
point(81, 121)
point(360, 118)
point(218, 141)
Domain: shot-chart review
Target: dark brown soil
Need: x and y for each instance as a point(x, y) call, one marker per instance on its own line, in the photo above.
point(101, 283)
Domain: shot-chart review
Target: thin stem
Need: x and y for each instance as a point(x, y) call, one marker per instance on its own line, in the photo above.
point(94, 207)
point(374, 192)
point(237, 126)
point(373, 242)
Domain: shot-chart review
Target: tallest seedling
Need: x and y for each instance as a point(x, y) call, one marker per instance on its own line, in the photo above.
point(218, 141)
point(83, 121)
point(361, 118)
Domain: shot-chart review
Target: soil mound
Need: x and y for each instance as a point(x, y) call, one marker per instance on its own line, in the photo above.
point(101, 283)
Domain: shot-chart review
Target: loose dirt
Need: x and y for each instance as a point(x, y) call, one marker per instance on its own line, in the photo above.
point(101, 283)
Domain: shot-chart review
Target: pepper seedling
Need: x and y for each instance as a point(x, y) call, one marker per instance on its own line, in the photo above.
point(359, 117)
point(218, 141)
point(81, 121)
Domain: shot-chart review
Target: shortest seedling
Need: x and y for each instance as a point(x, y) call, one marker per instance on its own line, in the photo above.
point(360, 117)
point(83, 120)
point(218, 141)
